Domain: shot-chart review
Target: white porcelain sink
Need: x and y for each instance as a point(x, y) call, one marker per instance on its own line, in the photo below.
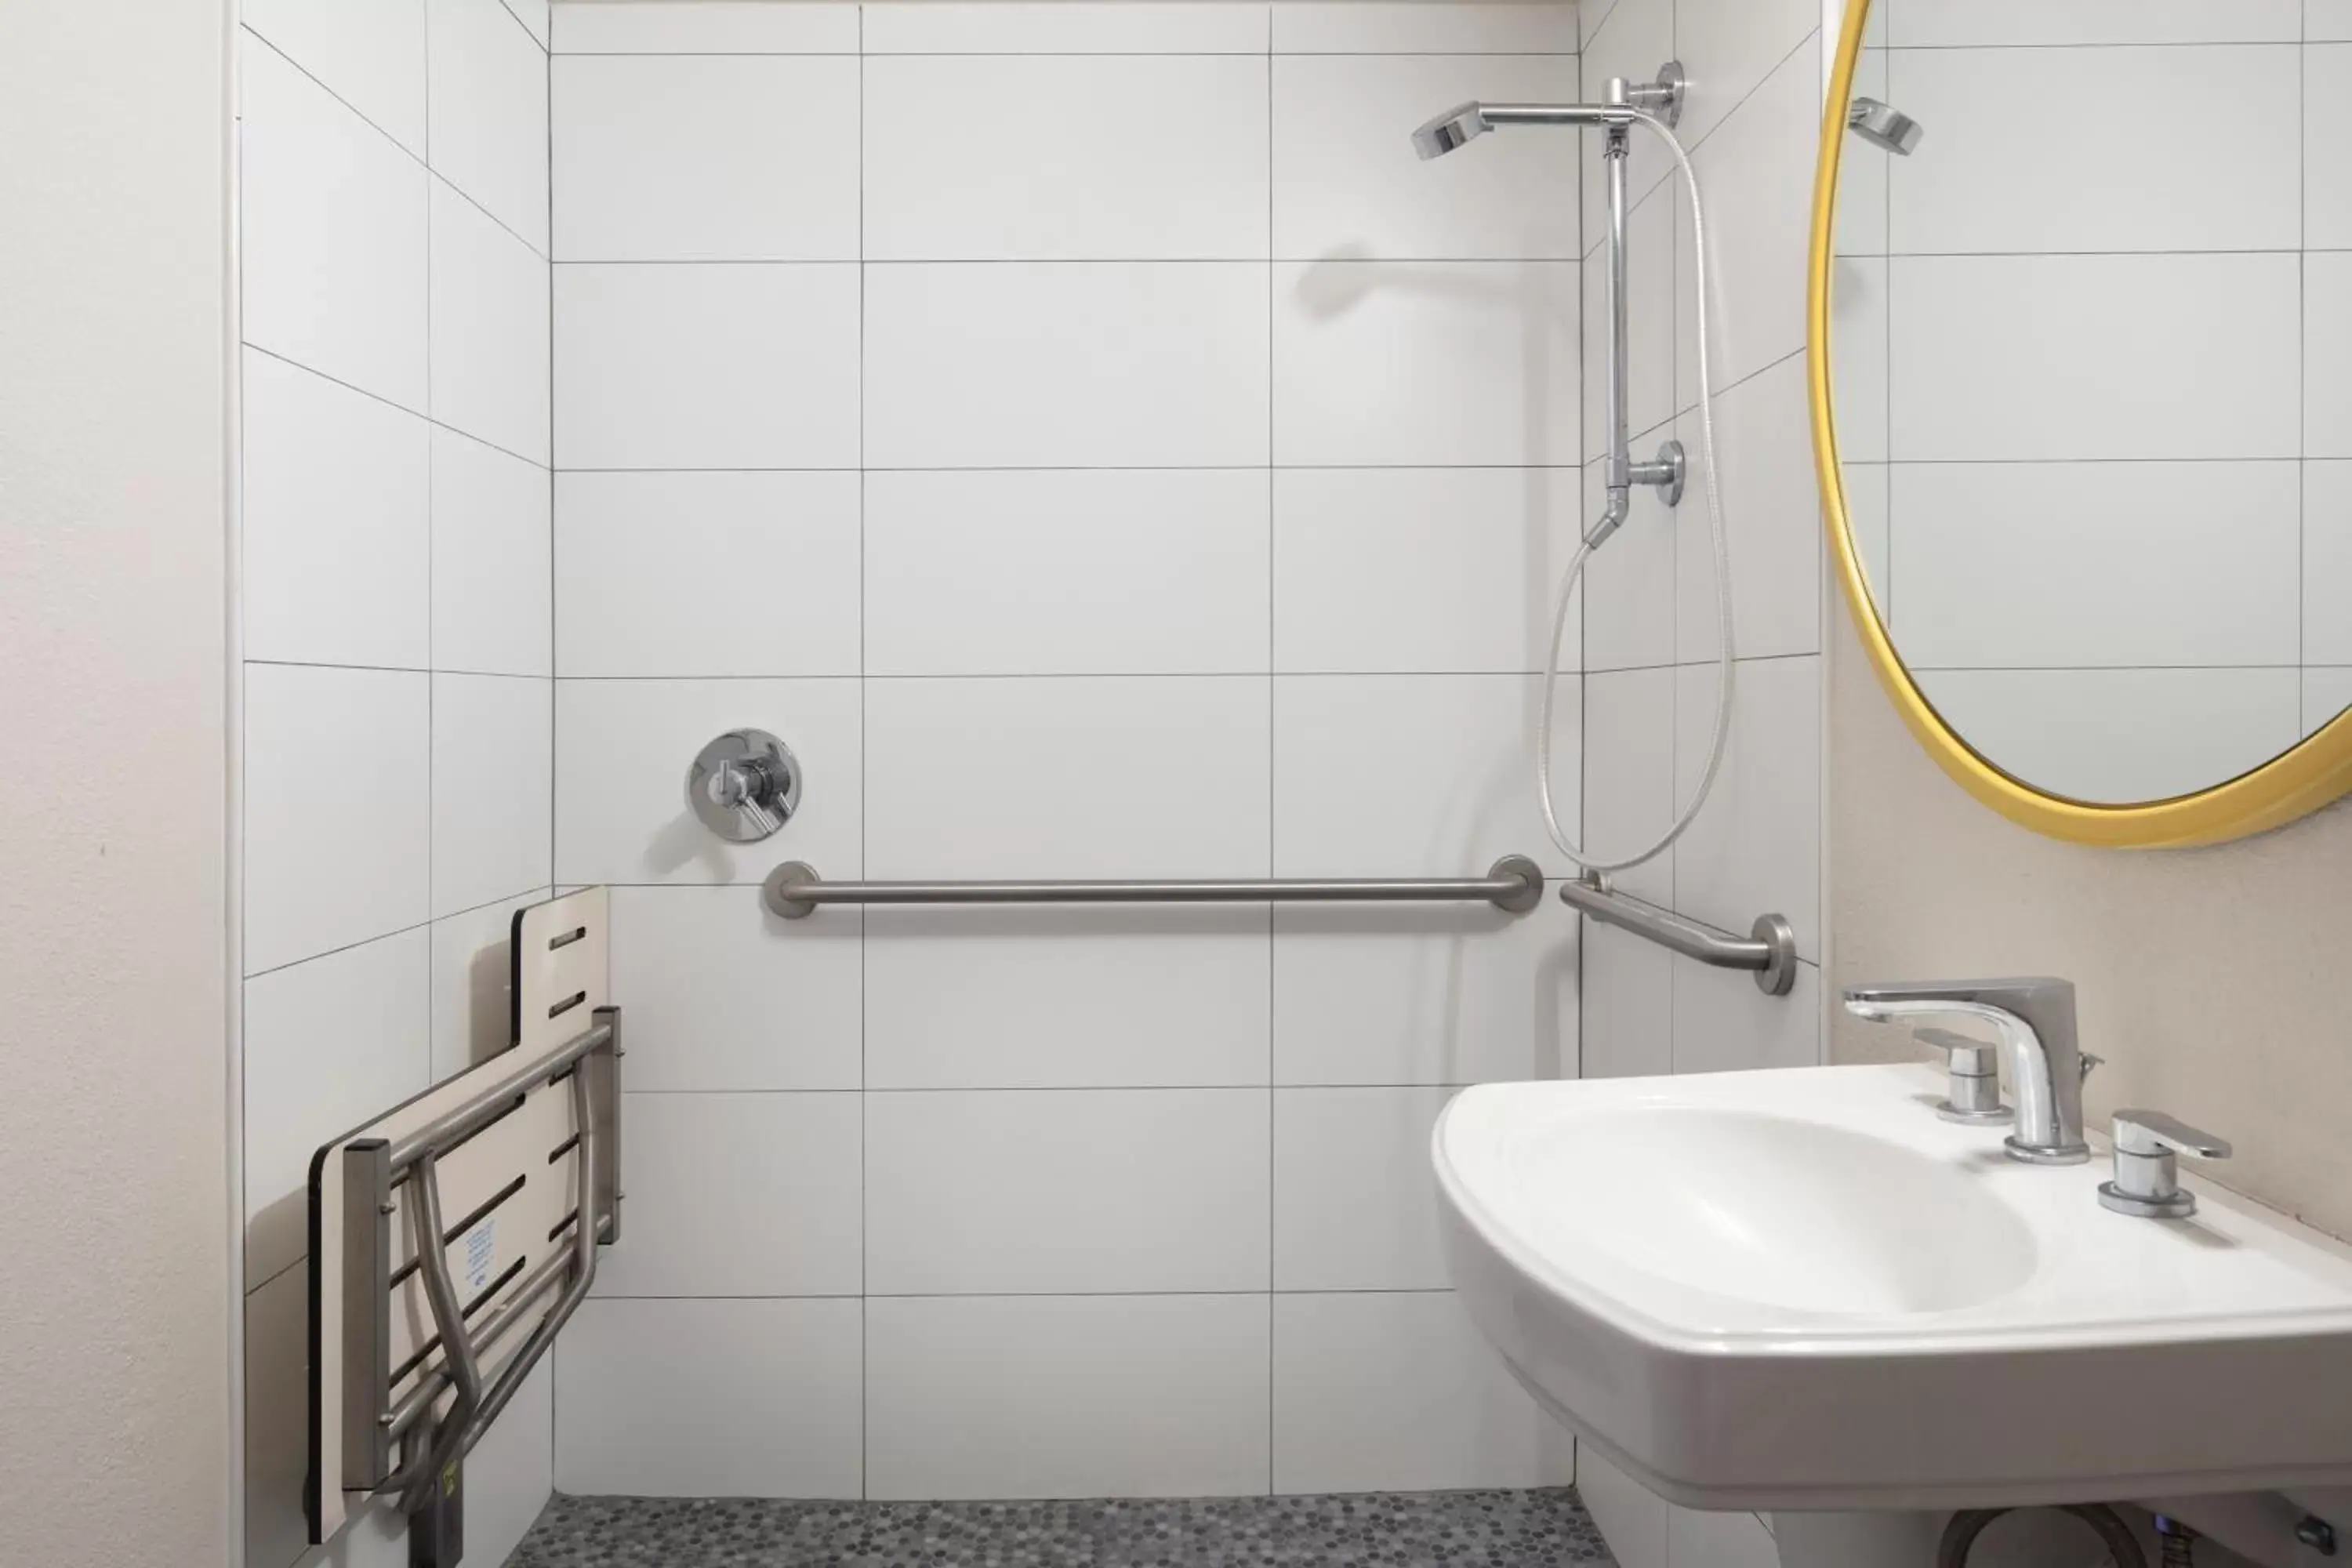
point(1802, 1289)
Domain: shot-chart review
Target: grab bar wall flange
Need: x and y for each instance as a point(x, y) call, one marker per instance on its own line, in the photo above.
point(1514, 884)
point(1768, 951)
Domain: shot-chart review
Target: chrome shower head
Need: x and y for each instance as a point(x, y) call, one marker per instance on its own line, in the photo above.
point(1884, 125)
point(1450, 129)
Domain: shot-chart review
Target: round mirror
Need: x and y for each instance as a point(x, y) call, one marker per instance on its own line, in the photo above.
point(2081, 322)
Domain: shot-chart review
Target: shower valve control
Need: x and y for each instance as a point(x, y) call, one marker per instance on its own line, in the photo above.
point(744, 785)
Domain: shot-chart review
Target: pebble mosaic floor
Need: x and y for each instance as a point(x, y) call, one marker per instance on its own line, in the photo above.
point(1387, 1530)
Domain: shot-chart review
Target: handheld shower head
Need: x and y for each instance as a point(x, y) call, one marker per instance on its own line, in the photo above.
point(1450, 129)
point(1884, 125)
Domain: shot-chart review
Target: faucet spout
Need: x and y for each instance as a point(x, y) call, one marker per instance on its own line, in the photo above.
point(2033, 1018)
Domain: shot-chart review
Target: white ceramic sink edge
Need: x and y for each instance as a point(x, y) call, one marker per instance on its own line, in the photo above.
point(1799, 1289)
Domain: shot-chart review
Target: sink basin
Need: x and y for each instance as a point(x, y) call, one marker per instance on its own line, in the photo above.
point(1802, 1289)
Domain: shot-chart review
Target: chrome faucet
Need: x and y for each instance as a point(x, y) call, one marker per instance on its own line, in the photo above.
point(2033, 1019)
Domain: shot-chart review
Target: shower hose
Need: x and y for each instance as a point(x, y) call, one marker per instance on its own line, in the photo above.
point(1560, 835)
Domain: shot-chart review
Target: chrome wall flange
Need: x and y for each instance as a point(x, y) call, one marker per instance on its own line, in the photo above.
point(744, 785)
point(1667, 471)
point(1662, 99)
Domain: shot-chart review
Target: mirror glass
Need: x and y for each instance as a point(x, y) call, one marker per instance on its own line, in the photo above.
point(2091, 329)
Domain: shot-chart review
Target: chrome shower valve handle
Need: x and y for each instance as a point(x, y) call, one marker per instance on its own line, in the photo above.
point(744, 785)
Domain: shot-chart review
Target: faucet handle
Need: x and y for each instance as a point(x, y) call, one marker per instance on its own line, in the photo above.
point(1972, 1091)
point(2146, 1182)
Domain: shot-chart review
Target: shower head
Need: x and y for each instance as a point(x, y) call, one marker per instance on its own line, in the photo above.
point(1884, 125)
point(1450, 129)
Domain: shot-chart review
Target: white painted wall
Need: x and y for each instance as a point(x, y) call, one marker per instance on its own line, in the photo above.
point(1134, 463)
point(397, 651)
point(113, 538)
point(1751, 123)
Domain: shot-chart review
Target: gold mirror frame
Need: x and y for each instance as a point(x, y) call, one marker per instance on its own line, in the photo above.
point(2289, 786)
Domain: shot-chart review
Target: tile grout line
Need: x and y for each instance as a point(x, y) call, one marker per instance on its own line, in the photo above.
point(1273, 952)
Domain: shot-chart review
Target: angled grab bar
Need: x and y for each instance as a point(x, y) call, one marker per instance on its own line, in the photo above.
point(1770, 950)
point(1513, 884)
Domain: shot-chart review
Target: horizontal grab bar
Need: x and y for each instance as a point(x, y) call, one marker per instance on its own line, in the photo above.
point(1770, 950)
point(1513, 884)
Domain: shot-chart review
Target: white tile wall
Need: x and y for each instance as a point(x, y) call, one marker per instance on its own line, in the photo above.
point(2326, 693)
point(737, 1194)
point(1059, 365)
point(708, 366)
point(1629, 797)
point(338, 533)
point(1117, 439)
point(2327, 562)
point(1756, 845)
point(1066, 1192)
point(706, 157)
point(703, 1398)
point(1056, 1396)
point(2327, 354)
point(1067, 573)
point(393, 599)
point(1394, 1391)
point(1944, 24)
point(1772, 523)
point(680, 573)
point(2327, 146)
point(1155, 157)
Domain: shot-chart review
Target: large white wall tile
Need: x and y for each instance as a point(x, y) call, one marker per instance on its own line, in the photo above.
point(1724, 1023)
point(1734, 44)
point(1629, 775)
point(1772, 523)
point(510, 1472)
point(2094, 563)
point(2330, 20)
point(1861, 319)
point(489, 126)
point(705, 158)
point(490, 328)
point(1348, 803)
point(2327, 354)
point(2217, 382)
point(1424, 994)
point(706, 366)
point(277, 1420)
point(1064, 27)
point(338, 808)
point(1628, 986)
point(1038, 364)
point(973, 158)
point(1629, 589)
point(2326, 693)
point(717, 573)
point(1419, 26)
point(370, 54)
point(328, 1045)
point(1077, 1191)
point(331, 235)
point(707, 27)
point(1632, 1517)
point(1063, 1397)
point(491, 602)
point(1036, 572)
point(1944, 24)
point(1759, 240)
point(492, 788)
point(1696, 1539)
point(683, 1399)
point(473, 985)
point(1755, 845)
point(737, 1194)
point(622, 751)
point(2327, 146)
point(2121, 735)
point(1649, 328)
point(534, 16)
point(723, 996)
point(335, 532)
point(1066, 998)
point(1397, 1392)
point(1347, 183)
point(1077, 777)
point(2132, 173)
point(2327, 563)
point(1440, 571)
point(1355, 1201)
point(1865, 171)
point(1450, 363)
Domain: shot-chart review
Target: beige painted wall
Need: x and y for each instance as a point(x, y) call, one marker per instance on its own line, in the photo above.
point(114, 1212)
point(2214, 981)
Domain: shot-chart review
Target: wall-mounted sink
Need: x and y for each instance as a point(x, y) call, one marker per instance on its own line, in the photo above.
point(1802, 1289)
